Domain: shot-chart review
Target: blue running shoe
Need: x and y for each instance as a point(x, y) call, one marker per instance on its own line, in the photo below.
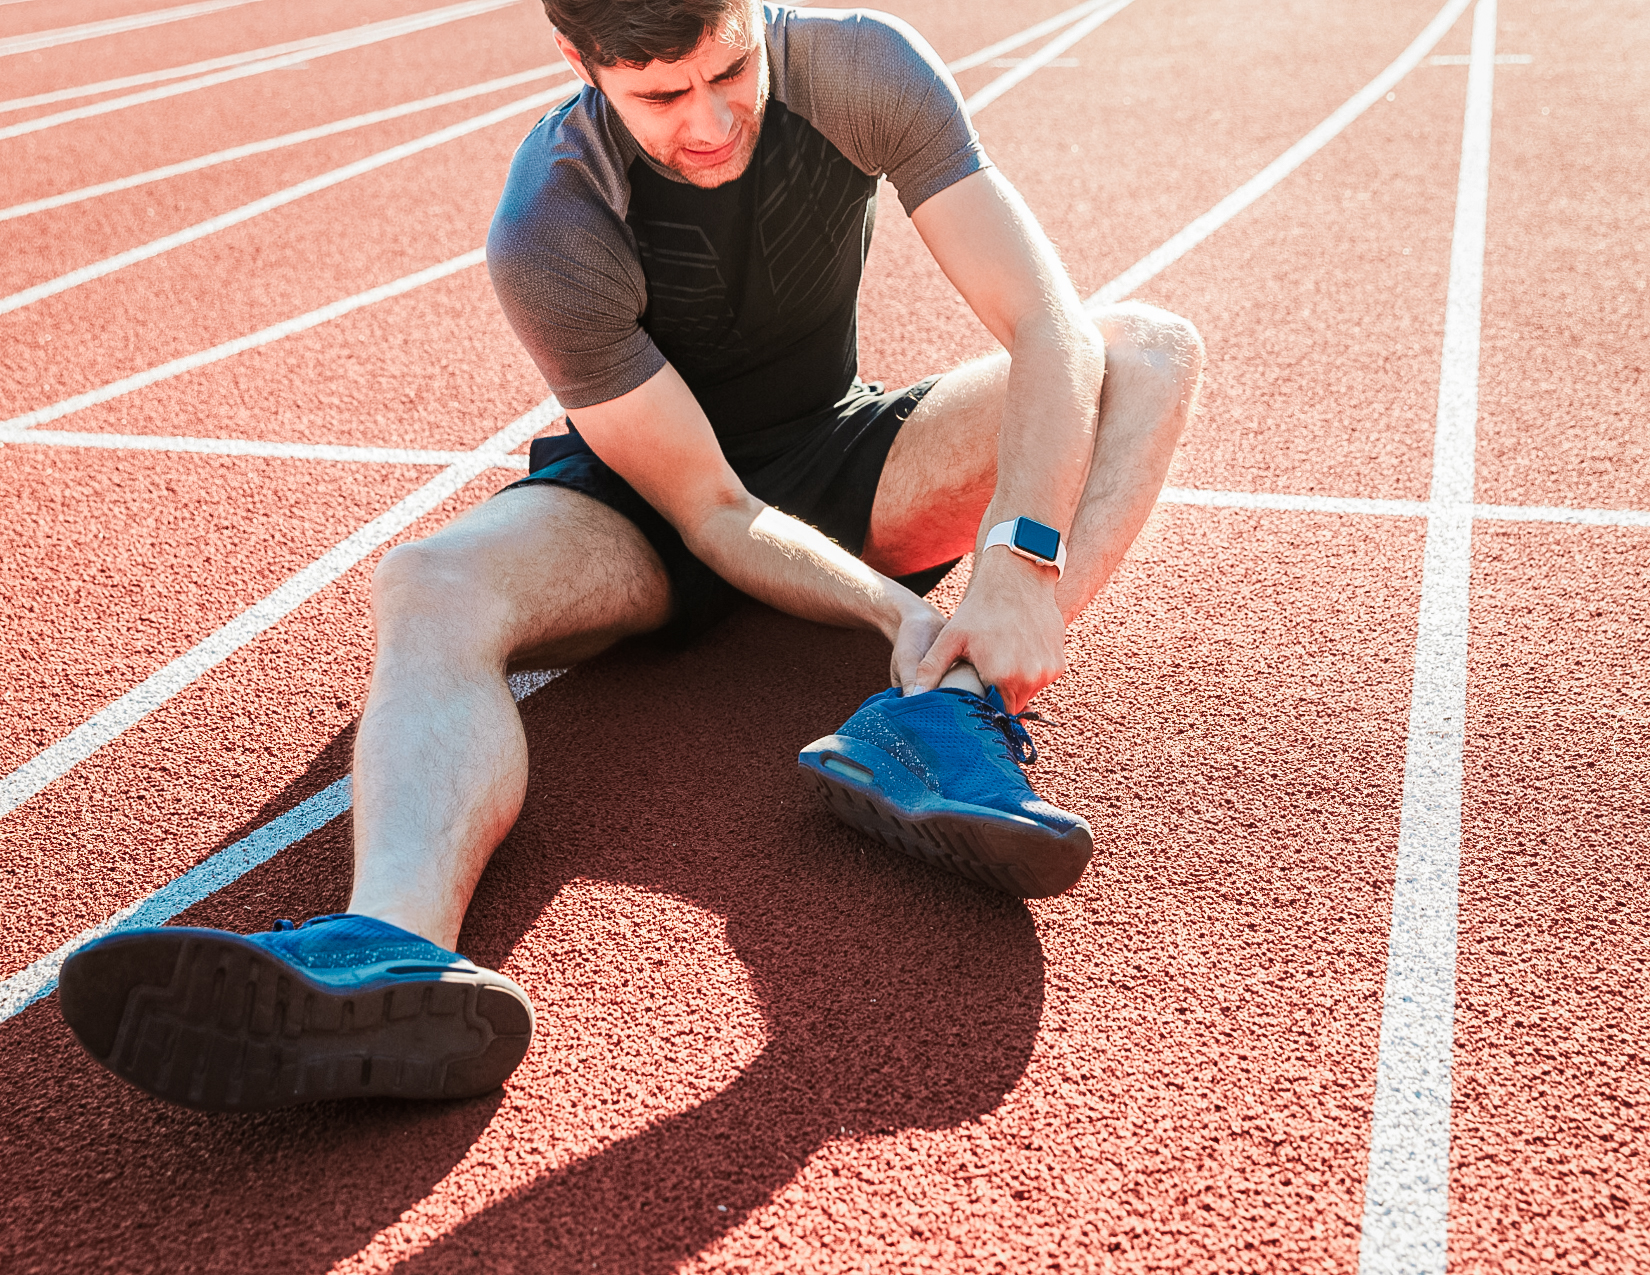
point(938, 777)
point(342, 1006)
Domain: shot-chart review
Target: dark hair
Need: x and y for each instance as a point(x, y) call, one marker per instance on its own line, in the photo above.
point(636, 32)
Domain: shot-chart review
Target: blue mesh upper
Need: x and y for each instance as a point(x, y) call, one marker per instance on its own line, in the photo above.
point(345, 939)
point(905, 747)
point(954, 743)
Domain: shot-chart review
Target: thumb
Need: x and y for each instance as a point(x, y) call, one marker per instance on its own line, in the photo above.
point(948, 648)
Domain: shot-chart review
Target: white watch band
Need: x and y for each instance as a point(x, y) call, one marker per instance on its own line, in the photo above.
point(1003, 534)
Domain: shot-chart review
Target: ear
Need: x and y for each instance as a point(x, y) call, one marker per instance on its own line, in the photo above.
point(572, 57)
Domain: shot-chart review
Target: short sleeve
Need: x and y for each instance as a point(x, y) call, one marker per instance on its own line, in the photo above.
point(566, 273)
point(879, 93)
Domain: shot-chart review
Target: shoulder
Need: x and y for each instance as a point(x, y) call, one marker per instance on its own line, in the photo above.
point(878, 92)
point(567, 182)
point(826, 31)
point(830, 54)
point(562, 261)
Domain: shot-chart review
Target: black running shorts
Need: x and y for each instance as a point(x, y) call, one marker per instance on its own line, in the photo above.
point(822, 469)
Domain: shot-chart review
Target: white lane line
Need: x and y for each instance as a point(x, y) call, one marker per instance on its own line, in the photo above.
point(1558, 513)
point(39, 979)
point(211, 226)
point(1406, 1196)
point(254, 62)
point(1207, 498)
point(112, 26)
point(1211, 498)
point(285, 139)
point(981, 56)
point(1053, 49)
point(1173, 249)
point(164, 683)
point(1214, 499)
point(227, 349)
point(278, 56)
point(309, 43)
point(246, 447)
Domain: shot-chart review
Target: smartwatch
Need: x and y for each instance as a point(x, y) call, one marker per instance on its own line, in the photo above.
point(1031, 539)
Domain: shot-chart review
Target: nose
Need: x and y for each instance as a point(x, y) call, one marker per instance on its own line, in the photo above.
point(710, 117)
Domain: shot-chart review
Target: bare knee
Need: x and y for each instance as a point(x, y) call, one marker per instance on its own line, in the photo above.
point(425, 592)
point(1152, 343)
point(1154, 362)
point(414, 576)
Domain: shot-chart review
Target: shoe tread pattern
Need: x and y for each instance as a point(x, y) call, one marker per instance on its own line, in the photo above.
point(235, 1029)
point(1032, 865)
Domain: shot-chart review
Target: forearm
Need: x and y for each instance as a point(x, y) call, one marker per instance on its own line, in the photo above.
point(1047, 434)
point(1009, 626)
point(794, 568)
point(1011, 623)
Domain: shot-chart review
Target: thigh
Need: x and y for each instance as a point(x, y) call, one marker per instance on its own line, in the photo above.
point(940, 472)
point(537, 576)
point(942, 469)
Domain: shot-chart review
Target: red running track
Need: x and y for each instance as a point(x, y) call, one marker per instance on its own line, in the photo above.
point(769, 1045)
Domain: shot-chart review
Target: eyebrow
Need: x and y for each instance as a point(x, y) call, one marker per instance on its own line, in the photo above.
point(670, 95)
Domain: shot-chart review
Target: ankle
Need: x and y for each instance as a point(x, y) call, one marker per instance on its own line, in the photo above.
point(439, 930)
point(962, 677)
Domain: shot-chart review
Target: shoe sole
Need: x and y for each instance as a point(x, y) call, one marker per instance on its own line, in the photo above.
point(209, 1020)
point(872, 792)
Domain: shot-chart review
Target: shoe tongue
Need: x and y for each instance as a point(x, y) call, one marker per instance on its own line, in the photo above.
point(995, 700)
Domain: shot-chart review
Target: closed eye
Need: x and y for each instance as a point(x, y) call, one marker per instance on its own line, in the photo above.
point(665, 97)
point(736, 70)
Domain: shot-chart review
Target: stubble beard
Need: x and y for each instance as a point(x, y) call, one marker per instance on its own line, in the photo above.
point(734, 166)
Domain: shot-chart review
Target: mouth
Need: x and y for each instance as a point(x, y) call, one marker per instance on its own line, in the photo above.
point(710, 158)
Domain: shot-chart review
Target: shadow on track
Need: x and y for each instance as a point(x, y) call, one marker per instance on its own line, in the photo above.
point(893, 997)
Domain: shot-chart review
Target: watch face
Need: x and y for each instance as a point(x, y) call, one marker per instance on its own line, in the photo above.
point(1035, 538)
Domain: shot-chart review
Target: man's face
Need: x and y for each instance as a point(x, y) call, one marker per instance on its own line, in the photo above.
point(699, 117)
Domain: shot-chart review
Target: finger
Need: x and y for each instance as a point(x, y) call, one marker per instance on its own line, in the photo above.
point(948, 648)
point(1027, 689)
point(910, 645)
point(903, 663)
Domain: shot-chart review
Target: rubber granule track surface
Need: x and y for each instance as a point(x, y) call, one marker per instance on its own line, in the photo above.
point(766, 1043)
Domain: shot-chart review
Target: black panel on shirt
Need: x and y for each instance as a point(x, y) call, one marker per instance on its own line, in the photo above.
point(752, 286)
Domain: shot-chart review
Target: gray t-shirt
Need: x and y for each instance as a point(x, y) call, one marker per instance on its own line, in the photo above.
point(608, 265)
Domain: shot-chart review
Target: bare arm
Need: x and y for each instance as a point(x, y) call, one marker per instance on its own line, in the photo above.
point(658, 439)
point(1009, 625)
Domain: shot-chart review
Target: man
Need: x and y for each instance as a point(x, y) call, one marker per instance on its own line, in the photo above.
point(679, 248)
